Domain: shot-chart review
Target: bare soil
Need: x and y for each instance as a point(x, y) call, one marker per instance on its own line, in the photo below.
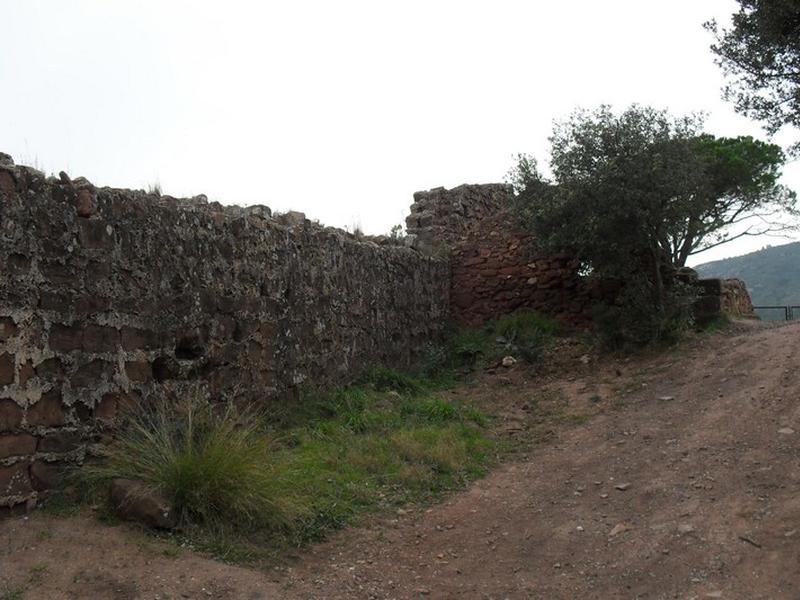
point(673, 476)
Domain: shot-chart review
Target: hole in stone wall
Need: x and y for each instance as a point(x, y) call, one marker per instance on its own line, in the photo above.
point(165, 368)
point(189, 347)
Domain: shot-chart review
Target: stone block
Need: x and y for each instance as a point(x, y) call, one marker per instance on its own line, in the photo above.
point(92, 373)
point(58, 273)
point(137, 502)
point(112, 404)
point(6, 368)
point(710, 287)
point(91, 304)
point(10, 415)
point(138, 339)
point(18, 264)
point(48, 411)
point(100, 338)
point(46, 475)
point(96, 235)
point(60, 442)
point(60, 303)
point(8, 186)
point(84, 204)
point(8, 329)
point(20, 444)
point(14, 480)
point(139, 371)
point(50, 369)
point(65, 338)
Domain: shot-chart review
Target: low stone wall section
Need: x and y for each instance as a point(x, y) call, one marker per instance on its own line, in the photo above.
point(114, 297)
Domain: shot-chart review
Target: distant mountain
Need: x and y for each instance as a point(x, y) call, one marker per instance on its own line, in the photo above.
point(772, 275)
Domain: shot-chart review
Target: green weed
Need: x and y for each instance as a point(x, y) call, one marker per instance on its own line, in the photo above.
point(246, 484)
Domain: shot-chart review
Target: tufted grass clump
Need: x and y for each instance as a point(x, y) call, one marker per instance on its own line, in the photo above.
point(212, 463)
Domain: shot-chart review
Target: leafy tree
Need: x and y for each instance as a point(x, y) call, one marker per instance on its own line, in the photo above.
point(634, 195)
point(735, 193)
point(761, 55)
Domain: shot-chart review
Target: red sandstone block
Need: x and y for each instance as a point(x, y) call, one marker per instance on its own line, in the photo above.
point(112, 404)
point(92, 373)
point(51, 368)
point(64, 338)
point(58, 273)
point(14, 480)
point(18, 264)
point(20, 444)
point(6, 369)
point(107, 408)
point(7, 328)
point(100, 338)
point(139, 371)
point(56, 302)
point(10, 415)
point(60, 442)
point(45, 476)
point(138, 339)
point(96, 235)
point(48, 411)
point(8, 186)
point(84, 204)
point(87, 305)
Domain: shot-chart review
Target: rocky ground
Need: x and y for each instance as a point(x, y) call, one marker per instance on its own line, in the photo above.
point(674, 476)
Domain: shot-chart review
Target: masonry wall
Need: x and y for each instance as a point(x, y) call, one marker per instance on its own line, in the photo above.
point(112, 297)
point(496, 265)
point(718, 297)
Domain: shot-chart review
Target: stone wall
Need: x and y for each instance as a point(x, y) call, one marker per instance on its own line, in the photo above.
point(440, 218)
point(111, 297)
point(719, 297)
point(496, 266)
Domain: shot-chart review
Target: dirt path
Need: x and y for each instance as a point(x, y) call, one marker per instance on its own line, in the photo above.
point(690, 489)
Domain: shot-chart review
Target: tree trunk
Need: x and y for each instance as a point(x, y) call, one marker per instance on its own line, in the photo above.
point(658, 281)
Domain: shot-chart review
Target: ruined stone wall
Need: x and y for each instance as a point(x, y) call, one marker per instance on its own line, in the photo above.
point(736, 299)
point(440, 218)
point(496, 265)
point(719, 297)
point(110, 297)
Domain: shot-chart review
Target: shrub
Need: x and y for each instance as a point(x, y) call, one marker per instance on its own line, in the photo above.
point(632, 322)
point(212, 463)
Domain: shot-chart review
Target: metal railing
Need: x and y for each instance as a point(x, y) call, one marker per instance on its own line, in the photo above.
point(787, 310)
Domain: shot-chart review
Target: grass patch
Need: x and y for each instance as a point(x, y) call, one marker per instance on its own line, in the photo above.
point(522, 334)
point(718, 323)
point(247, 484)
point(58, 503)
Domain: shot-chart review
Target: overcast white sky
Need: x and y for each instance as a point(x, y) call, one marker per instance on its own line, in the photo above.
point(339, 109)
